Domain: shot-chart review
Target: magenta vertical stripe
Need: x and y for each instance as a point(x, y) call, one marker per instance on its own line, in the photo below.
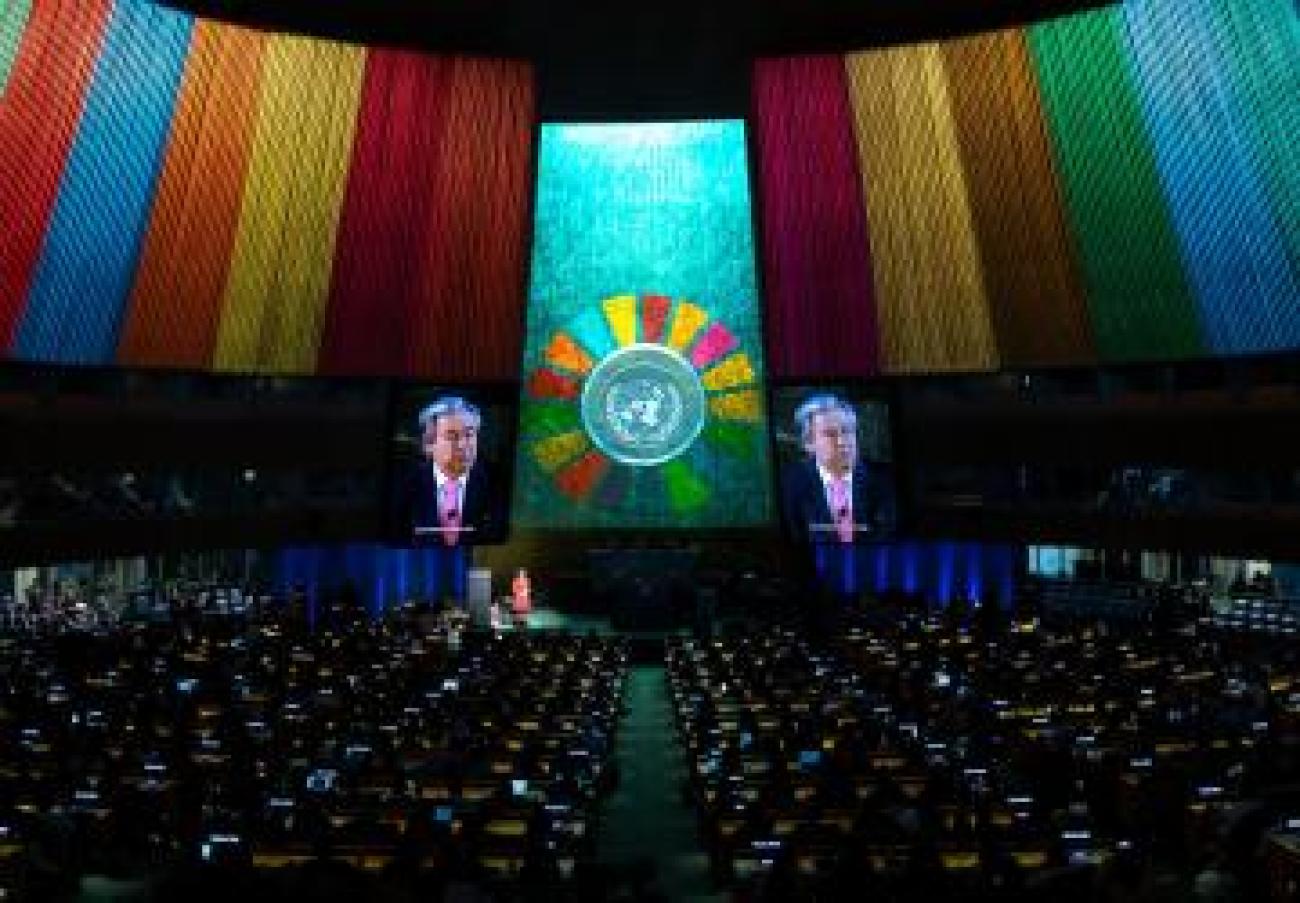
point(716, 342)
point(821, 312)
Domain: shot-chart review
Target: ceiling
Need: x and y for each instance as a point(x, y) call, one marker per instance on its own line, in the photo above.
point(667, 58)
point(536, 28)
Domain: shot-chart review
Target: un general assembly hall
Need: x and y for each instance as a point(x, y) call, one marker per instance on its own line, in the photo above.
point(709, 450)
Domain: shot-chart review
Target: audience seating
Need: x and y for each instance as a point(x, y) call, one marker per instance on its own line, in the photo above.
point(247, 752)
point(923, 759)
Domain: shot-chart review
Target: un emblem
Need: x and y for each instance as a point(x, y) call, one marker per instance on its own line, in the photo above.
point(643, 404)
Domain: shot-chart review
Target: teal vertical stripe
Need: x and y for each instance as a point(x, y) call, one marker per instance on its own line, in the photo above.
point(1261, 41)
point(1138, 298)
point(1234, 251)
point(13, 20)
point(86, 265)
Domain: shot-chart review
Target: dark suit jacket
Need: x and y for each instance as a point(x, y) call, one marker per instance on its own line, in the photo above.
point(417, 506)
point(808, 517)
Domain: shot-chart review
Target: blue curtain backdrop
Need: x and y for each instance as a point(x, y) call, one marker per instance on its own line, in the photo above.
point(383, 576)
point(938, 571)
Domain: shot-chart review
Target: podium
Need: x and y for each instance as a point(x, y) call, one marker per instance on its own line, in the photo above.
point(478, 596)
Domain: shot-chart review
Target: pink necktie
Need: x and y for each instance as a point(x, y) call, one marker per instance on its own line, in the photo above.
point(840, 509)
point(450, 512)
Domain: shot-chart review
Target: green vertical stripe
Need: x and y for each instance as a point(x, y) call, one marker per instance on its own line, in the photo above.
point(1138, 296)
point(1261, 41)
point(13, 19)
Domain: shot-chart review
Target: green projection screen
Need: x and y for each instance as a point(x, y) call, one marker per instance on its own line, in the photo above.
point(642, 390)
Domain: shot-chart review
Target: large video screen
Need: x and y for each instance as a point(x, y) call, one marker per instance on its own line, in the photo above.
point(642, 401)
point(835, 451)
point(449, 474)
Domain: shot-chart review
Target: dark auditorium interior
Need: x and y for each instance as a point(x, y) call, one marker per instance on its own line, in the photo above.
point(710, 450)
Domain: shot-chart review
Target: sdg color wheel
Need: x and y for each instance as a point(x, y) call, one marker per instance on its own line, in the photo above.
point(639, 394)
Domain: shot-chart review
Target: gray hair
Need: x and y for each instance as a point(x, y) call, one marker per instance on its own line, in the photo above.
point(446, 406)
point(821, 404)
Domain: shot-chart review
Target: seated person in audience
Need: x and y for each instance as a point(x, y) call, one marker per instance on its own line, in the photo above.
point(450, 498)
point(832, 495)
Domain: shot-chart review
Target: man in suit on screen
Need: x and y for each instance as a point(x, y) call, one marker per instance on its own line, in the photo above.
point(450, 500)
point(831, 496)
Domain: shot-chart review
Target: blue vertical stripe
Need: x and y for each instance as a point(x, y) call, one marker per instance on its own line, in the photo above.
point(86, 266)
point(880, 573)
point(1262, 38)
point(429, 560)
point(974, 581)
point(911, 554)
point(459, 568)
point(1233, 247)
point(403, 563)
point(946, 567)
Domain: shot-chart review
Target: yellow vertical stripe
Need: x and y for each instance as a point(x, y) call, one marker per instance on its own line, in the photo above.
point(279, 277)
point(929, 287)
point(315, 221)
point(687, 321)
point(621, 314)
point(254, 261)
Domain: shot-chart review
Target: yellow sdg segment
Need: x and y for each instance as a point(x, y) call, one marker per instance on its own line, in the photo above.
point(734, 371)
point(745, 405)
point(620, 311)
point(554, 451)
point(690, 317)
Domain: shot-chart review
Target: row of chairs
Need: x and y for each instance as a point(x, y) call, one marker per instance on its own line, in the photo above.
point(255, 744)
point(975, 763)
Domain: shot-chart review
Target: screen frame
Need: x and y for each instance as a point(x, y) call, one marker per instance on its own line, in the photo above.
point(640, 534)
point(886, 389)
point(503, 395)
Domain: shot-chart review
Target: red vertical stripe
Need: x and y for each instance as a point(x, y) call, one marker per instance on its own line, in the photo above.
point(467, 319)
point(654, 315)
point(821, 314)
point(395, 159)
point(428, 272)
point(38, 121)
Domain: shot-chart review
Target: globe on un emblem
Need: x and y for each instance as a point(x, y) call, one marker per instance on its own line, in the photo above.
point(643, 404)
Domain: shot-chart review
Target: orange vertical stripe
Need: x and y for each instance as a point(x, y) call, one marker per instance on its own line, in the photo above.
point(175, 307)
point(1034, 290)
point(929, 283)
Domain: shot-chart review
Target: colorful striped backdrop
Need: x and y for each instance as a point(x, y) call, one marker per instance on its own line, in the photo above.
point(1113, 185)
point(183, 192)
